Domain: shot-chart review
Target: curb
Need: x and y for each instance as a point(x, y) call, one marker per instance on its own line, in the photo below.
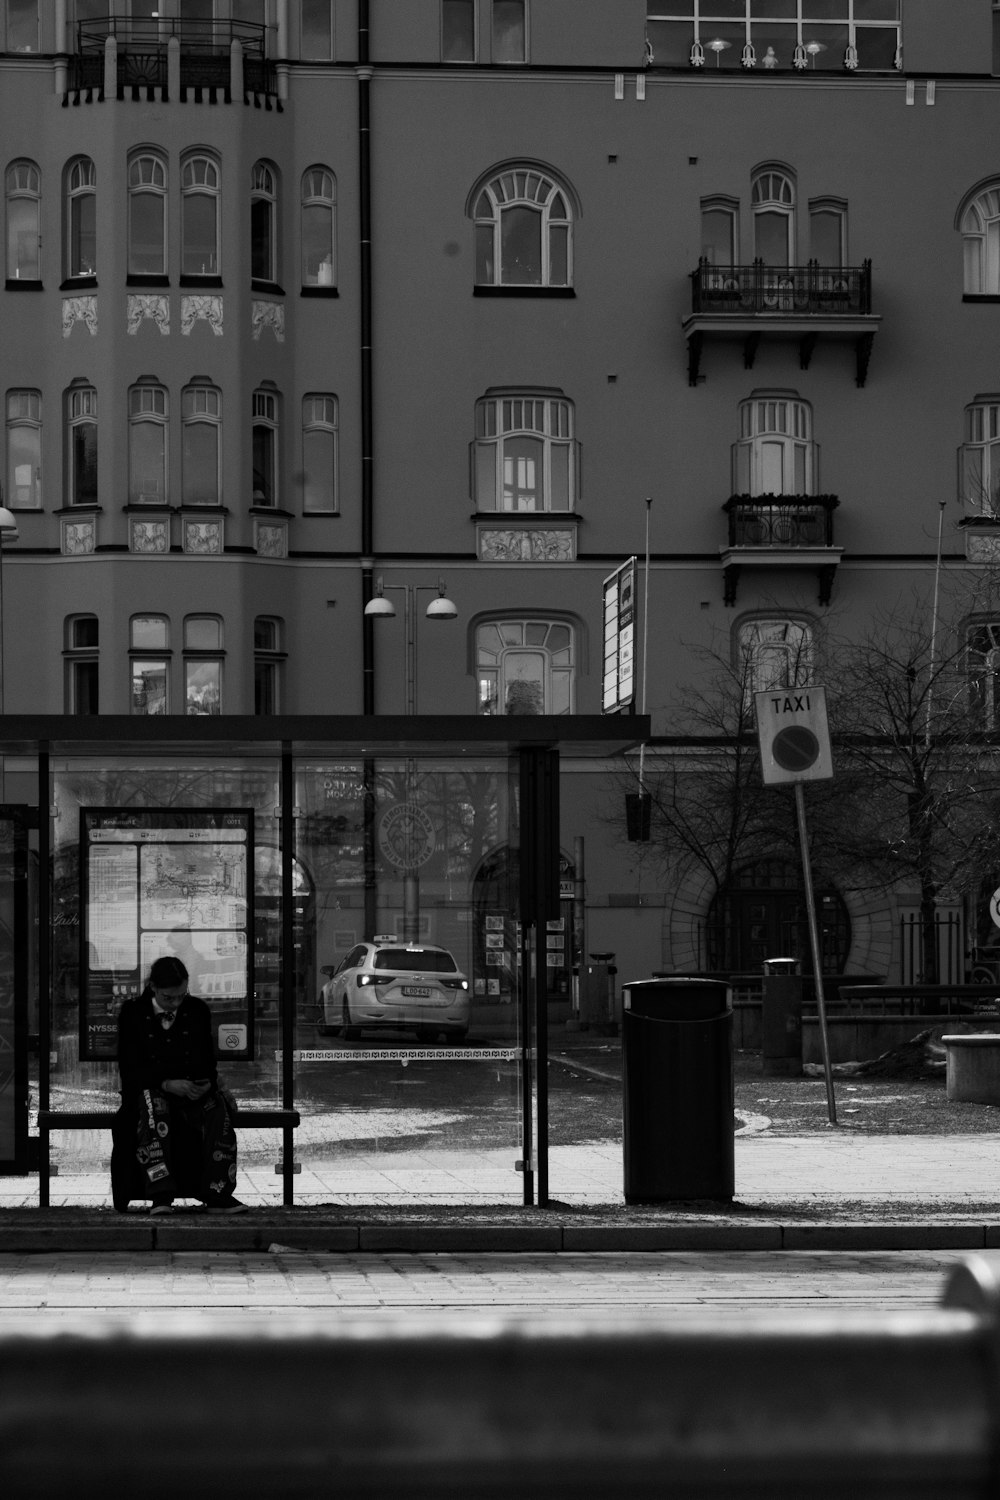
point(276, 1237)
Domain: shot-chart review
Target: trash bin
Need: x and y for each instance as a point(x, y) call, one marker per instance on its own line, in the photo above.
point(781, 1018)
point(677, 1081)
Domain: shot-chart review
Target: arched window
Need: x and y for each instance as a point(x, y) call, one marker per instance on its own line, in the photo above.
point(24, 202)
point(24, 450)
point(828, 232)
point(979, 221)
point(81, 444)
point(201, 418)
point(147, 445)
point(774, 653)
point(775, 454)
point(979, 457)
point(263, 222)
point(203, 657)
point(983, 647)
point(200, 217)
point(525, 666)
point(268, 663)
point(149, 664)
point(772, 198)
point(319, 453)
point(524, 222)
point(81, 218)
point(319, 202)
point(720, 238)
point(525, 454)
point(147, 216)
point(265, 448)
point(82, 663)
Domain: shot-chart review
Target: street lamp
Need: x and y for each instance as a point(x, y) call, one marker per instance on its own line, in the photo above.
point(381, 608)
point(8, 529)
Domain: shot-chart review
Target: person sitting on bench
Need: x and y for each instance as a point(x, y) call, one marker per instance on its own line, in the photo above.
point(170, 1088)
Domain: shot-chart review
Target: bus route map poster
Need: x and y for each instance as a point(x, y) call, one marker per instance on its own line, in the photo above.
point(166, 881)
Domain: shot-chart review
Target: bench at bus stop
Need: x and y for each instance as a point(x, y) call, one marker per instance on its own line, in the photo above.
point(124, 1188)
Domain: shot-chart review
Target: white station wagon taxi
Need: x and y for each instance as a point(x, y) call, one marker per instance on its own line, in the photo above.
point(387, 983)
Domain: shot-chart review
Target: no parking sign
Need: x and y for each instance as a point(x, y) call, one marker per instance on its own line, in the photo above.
point(794, 735)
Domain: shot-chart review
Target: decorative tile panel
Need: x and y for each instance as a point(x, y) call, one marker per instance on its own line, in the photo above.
point(78, 537)
point(202, 306)
point(524, 544)
point(79, 310)
point(148, 536)
point(203, 537)
point(142, 305)
point(271, 539)
point(982, 546)
point(268, 315)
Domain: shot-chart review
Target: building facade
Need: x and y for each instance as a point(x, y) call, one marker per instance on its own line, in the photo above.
point(312, 302)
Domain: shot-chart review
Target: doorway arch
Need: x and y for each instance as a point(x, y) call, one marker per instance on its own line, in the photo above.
point(761, 913)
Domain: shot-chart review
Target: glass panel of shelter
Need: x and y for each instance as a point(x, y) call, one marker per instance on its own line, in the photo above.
point(386, 847)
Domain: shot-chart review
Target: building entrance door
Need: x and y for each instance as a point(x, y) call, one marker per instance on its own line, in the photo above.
point(762, 914)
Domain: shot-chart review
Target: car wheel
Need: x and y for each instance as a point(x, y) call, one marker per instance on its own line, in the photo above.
point(351, 1032)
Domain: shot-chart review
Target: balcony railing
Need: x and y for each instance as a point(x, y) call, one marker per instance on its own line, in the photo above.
point(141, 45)
point(796, 290)
point(782, 522)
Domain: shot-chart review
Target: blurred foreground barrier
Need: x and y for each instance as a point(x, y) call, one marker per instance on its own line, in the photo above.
point(898, 1406)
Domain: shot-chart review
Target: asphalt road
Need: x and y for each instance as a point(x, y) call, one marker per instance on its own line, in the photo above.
point(150, 1291)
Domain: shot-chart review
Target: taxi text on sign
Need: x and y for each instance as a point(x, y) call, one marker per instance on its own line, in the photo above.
point(793, 734)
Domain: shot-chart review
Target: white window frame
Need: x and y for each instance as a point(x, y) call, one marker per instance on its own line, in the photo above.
point(201, 406)
point(79, 658)
point(269, 659)
point(81, 195)
point(503, 478)
point(147, 178)
point(81, 412)
point(746, 39)
point(24, 187)
point(979, 223)
point(774, 652)
point(324, 52)
point(153, 655)
point(206, 185)
point(264, 193)
point(321, 417)
point(500, 49)
point(201, 663)
point(9, 39)
point(523, 189)
point(730, 210)
point(775, 427)
point(266, 418)
point(772, 194)
point(500, 642)
point(832, 208)
point(319, 196)
point(983, 671)
point(24, 415)
point(979, 457)
point(148, 407)
point(463, 11)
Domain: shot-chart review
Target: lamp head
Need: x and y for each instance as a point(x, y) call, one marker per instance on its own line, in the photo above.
point(380, 608)
point(8, 524)
point(442, 609)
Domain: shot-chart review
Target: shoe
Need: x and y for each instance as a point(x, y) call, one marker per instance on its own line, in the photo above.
point(228, 1206)
point(162, 1206)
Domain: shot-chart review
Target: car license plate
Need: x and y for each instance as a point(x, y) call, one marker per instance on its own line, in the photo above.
point(421, 991)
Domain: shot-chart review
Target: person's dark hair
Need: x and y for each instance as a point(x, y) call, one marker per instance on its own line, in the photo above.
point(167, 972)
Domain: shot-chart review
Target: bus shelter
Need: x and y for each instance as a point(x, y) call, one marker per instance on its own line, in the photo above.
point(265, 854)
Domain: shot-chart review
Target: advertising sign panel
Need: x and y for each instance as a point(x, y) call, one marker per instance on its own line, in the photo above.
point(619, 639)
point(166, 881)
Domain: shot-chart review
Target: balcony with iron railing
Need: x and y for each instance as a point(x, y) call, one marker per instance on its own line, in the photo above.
point(747, 303)
point(132, 55)
point(780, 531)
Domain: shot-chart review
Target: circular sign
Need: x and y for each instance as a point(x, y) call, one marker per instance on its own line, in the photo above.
point(795, 748)
point(995, 908)
point(406, 836)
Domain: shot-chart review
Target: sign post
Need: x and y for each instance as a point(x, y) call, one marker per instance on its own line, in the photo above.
point(794, 740)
